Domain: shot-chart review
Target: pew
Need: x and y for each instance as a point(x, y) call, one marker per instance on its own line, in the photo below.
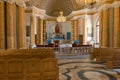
point(94, 53)
point(111, 56)
point(28, 64)
point(113, 61)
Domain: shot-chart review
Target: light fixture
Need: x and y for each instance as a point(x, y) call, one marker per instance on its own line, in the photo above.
point(61, 18)
point(89, 3)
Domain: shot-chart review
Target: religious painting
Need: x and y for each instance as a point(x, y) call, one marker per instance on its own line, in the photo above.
point(57, 29)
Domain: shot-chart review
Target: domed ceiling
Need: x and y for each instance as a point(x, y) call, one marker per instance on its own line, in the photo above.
point(53, 7)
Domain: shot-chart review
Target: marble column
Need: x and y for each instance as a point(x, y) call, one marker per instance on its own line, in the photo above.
point(40, 32)
point(105, 34)
point(2, 25)
point(21, 28)
point(116, 26)
point(44, 30)
point(32, 29)
point(101, 27)
point(111, 27)
point(76, 28)
point(73, 31)
point(10, 25)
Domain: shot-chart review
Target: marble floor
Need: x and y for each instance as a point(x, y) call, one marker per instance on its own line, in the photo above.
point(85, 69)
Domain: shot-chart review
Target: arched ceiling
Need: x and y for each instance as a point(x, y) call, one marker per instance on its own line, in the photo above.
point(53, 7)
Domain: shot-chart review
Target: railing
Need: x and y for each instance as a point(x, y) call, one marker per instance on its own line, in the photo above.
point(72, 50)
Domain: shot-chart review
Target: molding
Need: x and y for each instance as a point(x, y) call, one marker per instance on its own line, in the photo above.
point(35, 11)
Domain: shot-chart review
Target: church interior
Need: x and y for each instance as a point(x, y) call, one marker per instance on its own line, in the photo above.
point(59, 39)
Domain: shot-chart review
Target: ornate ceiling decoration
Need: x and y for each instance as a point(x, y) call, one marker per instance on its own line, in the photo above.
point(53, 7)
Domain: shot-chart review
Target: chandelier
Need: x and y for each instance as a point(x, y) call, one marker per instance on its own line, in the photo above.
point(89, 3)
point(61, 18)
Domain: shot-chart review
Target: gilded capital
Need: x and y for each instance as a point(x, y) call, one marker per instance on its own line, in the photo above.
point(20, 3)
point(10, 1)
point(1, 0)
point(116, 4)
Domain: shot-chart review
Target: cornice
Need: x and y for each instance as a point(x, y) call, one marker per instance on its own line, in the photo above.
point(35, 11)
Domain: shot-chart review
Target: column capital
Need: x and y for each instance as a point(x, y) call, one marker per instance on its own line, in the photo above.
point(1, 0)
point(10, 1)
point(116, 4)
point(20, 3)
point(104, 7)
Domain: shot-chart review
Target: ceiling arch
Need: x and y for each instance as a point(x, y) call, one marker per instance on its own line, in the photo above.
point(53, 7)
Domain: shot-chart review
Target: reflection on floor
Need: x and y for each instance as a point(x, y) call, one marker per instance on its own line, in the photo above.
point(85, 69)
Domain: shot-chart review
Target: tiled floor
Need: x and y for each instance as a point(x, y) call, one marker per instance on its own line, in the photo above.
point(85, 69)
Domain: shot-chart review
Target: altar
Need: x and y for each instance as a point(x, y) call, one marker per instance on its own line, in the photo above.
point(65, 45)
point(59, 40)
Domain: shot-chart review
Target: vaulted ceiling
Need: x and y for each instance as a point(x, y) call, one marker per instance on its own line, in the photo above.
point(53, 7)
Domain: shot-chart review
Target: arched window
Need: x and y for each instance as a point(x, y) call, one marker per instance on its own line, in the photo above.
point(97, 31)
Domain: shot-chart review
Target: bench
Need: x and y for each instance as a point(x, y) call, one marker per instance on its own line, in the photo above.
point(28, 64)
point(113, 61)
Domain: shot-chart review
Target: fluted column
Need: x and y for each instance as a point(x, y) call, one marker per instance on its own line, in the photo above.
point(101, 27)
point(74, 30)
point(40, 32)
point(117, 27)
point(10, 25)
point(111, 27)
point(32, 30)
point(21, 27)
point(44, 30)
point(105, 34)
point(2, 25)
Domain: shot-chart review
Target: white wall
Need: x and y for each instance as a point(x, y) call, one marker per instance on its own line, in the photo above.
point(50, 27)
